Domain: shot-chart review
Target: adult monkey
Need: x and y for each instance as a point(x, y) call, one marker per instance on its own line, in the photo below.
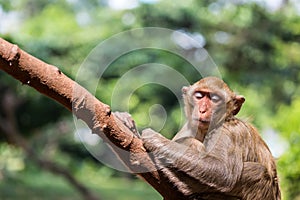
point(215, 155)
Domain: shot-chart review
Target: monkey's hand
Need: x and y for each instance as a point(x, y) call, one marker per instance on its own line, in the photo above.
point(127, 120)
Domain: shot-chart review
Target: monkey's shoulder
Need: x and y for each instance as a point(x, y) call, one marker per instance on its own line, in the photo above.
point(240, 130)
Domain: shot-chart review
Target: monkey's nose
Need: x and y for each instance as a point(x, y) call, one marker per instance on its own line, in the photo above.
point(203, 108)
point(202, 111)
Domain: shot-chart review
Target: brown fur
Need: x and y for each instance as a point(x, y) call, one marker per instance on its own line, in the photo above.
point(225, 160)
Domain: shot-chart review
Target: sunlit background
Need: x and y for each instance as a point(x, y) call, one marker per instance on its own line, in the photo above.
point(255, 44)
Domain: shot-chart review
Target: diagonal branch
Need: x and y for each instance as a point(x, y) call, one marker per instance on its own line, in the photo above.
point(50, 81)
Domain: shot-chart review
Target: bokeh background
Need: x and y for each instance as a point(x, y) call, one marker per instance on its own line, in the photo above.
point(255, 44)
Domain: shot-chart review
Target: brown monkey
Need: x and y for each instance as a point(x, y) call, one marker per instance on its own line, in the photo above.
point(215, 155)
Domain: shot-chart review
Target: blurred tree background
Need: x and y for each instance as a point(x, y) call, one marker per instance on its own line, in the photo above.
point(255, 44)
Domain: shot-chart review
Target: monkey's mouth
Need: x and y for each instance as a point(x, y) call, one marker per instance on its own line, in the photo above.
point(205, 122)
point(202, 121)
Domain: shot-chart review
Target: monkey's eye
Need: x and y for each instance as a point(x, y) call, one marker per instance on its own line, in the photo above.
point(215, 98)
point(198, 95)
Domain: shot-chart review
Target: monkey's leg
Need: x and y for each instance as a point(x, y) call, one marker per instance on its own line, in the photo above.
point(256, 183)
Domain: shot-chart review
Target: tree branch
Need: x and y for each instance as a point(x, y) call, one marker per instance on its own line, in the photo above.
point(50, 81)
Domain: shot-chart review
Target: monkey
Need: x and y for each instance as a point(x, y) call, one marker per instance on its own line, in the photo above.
point(215, 155)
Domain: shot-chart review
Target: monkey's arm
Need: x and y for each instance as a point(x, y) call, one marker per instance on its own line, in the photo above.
point(219, 169)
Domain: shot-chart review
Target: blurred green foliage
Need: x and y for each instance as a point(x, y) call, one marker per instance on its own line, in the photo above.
point(255, 49)
point(287, 122)
point(32, 183)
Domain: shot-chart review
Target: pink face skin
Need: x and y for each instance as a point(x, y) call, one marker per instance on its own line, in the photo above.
point(205, 104)
point(208, 102)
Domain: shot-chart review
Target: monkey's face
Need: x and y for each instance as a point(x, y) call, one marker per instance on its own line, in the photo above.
point(207, 108)
point(208, 102)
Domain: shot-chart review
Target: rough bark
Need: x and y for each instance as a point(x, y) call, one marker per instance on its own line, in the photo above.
point(50, 81)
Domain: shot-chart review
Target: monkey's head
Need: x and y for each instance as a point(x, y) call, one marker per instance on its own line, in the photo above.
point(209, 102)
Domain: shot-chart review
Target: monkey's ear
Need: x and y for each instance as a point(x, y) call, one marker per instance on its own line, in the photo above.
point(185, 89)
point(238, 102)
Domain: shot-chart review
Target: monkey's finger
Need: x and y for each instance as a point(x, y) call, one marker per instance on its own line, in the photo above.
point(125, 118)
point(127, 121)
